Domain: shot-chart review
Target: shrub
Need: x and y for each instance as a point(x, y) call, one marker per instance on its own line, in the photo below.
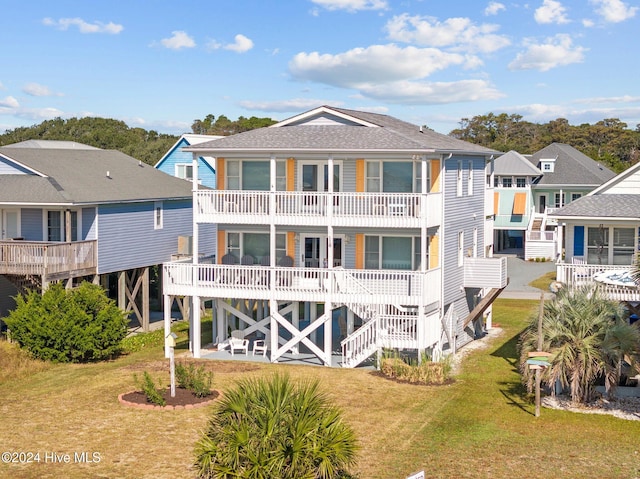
point(426, 372)
point(78, 325)
point(277, 429)
point(196, 380)
point(150, 390)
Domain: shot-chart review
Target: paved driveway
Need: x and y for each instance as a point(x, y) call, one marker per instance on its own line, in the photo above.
point(521, 273)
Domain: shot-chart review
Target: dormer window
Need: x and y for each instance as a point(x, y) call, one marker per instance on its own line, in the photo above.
point(547, 165)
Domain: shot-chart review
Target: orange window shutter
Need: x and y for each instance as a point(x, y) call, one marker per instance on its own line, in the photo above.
point(359, 251)
point(519, 203)
point(360, 174)
point(291, 171)
point(496, 203)
point(220, 173)
point(433, 252)
point(222, 246)
point(291, 244)
point(435, 176)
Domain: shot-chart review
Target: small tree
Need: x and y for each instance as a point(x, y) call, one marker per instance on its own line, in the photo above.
point(78, 325)
point(268, 428)
point(588, 337)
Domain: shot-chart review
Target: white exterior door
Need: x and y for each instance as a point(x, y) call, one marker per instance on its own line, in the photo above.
point(10, 224)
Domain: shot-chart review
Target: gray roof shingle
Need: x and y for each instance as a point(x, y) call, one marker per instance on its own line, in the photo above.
point(79, 176)
point(601, 206)
point(390, 135)
point(571, 167)
point(513, 163)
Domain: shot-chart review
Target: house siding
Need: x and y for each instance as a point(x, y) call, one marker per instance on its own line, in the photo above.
point(9, 168)
point(206, 173)
point(629, 185)
point(461, 213)
point(128, 238)
point(89, 224)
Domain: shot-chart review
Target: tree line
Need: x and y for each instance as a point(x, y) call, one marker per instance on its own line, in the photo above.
point(608, 141)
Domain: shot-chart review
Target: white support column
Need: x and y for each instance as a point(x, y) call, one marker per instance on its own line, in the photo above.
point(221, 326)
point(313, 315)
point(166, 299)
point(196, 326)
point(350, 322)
point(273, 328)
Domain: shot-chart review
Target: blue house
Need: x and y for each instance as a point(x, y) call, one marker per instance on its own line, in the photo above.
point(177, 162)
point(71, 211)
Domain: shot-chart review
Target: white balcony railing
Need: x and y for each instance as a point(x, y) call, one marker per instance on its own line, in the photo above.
point(577, 275)
point(302, 284)
point(318, 208)
point(485, 272)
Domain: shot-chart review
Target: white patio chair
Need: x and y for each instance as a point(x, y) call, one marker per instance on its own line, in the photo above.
point(237, 341)
point(261, 345)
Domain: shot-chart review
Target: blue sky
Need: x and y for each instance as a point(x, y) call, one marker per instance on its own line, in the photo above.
point(160, 65)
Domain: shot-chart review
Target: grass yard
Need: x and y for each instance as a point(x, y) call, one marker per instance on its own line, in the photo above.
point(481, 426)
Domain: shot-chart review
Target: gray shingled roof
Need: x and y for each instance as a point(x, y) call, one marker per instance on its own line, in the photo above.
point(393, 135)
point(79, 176)
point(513, 163)
point(571, 167)
point(600, 206)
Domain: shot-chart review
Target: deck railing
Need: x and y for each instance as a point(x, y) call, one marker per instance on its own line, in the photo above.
point(577, 275)
point(47, 258)
point(301, 284)
point(296, 207)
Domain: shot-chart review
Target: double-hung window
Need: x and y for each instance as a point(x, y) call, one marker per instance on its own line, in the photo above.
point(184, 171)
point(392, 252)
point(255, 175)
point(395, 176)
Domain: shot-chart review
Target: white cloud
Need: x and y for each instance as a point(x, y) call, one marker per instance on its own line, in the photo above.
point(431, 93)
point(294, 104)
point(542, 113)
point(551, 11)
point(352, 5)
point(614, 11)
point(374, 64)
point(84, 27)
point(9, 102)
point(35, 89)
point(178, 40)
point(242, 44)
point(455, 33)
point(493, 8)
point(587, 23)
point(554, 52)
point(610, 99)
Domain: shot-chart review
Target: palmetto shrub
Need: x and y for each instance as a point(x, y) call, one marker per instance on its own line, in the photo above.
point(76, 325)
point(588, 337)
point(273, 428)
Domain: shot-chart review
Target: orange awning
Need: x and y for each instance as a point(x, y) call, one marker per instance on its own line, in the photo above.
point(496, 202)
point(519, 203)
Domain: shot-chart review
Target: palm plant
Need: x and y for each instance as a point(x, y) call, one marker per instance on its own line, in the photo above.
point(588, 337)
point(272, 428)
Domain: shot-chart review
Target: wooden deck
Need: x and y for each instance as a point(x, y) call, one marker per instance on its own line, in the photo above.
point(50, 260)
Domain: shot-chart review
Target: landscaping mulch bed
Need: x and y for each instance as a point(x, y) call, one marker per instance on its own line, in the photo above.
point(184, 399)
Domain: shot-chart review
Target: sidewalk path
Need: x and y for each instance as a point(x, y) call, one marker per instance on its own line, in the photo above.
point(521, 273)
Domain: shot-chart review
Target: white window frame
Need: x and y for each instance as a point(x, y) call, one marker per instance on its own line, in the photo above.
point(180, 170)
point(281, 181)
point(460, 248)
point(459, 179)
point(3, 218)
point(158, 215)
point(415, 247)
point(470, 178)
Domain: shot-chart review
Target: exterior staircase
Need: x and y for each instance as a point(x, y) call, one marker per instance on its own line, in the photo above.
point(25, 283)
point(382, 325)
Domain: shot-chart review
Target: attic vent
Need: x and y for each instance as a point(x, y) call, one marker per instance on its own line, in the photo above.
point(108, 174)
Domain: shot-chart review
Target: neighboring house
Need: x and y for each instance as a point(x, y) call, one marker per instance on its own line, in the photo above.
point(602, 237)
point(555, 176)
point(72, 211)
point(344, 224)
point(179, 163)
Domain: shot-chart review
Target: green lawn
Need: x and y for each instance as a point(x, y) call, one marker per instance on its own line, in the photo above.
point(480, 426)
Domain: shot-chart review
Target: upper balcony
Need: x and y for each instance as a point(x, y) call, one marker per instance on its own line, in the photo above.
point(356, 209)
point(50, 260)
point(341, 286)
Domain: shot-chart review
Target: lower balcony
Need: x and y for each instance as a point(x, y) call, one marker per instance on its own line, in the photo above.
point(48, 259)
point(340, 286)
point(612, 280)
